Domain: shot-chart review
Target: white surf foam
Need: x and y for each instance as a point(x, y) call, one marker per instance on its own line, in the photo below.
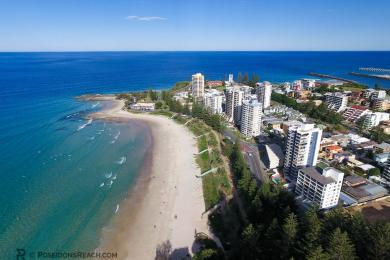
point(84, 125)
point(95, 105)
point(122, 160)
point(116, 137)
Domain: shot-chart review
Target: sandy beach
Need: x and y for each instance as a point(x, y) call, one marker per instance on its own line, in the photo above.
point(167, 201)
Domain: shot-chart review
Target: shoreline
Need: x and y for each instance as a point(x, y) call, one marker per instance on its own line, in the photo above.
point(166, 203)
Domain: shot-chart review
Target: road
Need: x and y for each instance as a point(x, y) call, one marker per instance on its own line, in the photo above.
point(251, 155)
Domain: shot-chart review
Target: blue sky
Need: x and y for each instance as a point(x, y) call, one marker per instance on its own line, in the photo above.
point(93, 25)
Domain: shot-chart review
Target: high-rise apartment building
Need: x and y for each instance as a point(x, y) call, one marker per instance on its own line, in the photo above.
point(197, 86)
point(263, 92)
point(302, 147)
point(250, 118)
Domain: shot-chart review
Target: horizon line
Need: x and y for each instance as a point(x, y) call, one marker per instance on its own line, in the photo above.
point(64, 51)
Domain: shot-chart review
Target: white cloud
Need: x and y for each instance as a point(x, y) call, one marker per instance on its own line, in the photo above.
point(145, 18)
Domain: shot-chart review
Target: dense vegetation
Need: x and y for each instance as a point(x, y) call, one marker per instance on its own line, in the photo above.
point(213, 120)
point(276, 229)
point(309, 108)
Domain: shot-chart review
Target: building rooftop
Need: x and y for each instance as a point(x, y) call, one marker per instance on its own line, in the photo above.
point(316, 175)
point(366, 167)
point(383, 146)
point(334, 148)
point(354, 180)
point(359, 108)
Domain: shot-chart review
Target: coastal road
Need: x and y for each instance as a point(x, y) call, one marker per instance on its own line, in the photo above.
point(251, 156)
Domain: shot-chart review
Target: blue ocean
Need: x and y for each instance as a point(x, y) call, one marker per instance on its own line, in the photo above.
point(61, 176)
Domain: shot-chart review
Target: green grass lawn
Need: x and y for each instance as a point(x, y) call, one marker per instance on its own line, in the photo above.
point(203, 161)
point(162, 113)
point(202, 143)
point(215, 185)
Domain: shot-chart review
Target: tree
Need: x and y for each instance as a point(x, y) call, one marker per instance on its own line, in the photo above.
point(290, 230)
point(239, 77)
point(340, 246)
point(312, 228)
point(207, 254)
point(249, 241)
point(379, 241)
point(374, 172)
point(318, 254)
point(158, 105)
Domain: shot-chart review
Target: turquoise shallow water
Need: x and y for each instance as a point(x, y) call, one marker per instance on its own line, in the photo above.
point(51, 167)
point(62, 181)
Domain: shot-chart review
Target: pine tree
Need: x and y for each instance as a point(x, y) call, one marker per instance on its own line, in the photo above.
point(312, 228)
point(340, 246)
point(379, 241)
point(318, 254)
point(290, 230)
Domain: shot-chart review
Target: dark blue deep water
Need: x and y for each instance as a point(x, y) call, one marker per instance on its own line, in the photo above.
point(62, 177)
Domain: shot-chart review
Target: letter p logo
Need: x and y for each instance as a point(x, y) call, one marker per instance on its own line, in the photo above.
point(20, 254)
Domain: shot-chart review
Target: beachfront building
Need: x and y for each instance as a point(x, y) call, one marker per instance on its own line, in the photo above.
point(197, 86)
point(354, 113)
point(321, 188)
point(234, 97)
point(336, 101)
point(146, 107)
point(212, 100)
point(302, 148)
point(263, 93)
point(373, 119)
point(250, 118)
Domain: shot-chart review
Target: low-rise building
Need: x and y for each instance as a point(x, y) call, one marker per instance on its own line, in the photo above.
point(142, 106)
point(336, 101)
point(373, 119)
point(361, 189)
point(331, 150)
point(214, 83)
point(380, 104)
point(385, 127)
point(382, 148)
point(354, 113)
point(322, 188)
point(381, 158)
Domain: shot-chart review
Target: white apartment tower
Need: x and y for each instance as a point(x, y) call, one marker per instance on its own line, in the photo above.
point(231, 80)
point(234, 98)
point(302, 147)
point(263, 92)
point(336, 101)
point(250, 118)
point(213, 101)
point(197, 86)
point(321, 189)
